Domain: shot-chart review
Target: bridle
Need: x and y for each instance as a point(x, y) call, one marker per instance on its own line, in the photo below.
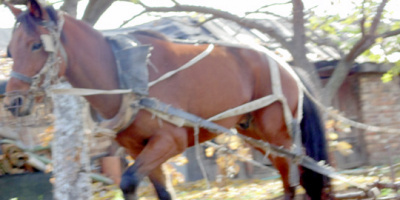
point(52, 45)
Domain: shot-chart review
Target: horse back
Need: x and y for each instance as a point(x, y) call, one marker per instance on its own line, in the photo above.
point(228, 77)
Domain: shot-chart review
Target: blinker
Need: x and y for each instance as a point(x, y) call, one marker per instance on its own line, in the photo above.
point(47, 43)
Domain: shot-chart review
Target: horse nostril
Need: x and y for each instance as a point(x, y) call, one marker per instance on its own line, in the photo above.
point(17, 102)
point(14, 105)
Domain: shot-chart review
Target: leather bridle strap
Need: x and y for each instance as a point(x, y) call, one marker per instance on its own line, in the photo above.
point(52, 45)
point(21, 77)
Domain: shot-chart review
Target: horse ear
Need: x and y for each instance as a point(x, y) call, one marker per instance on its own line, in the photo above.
point(35, 9)
point(15, 11)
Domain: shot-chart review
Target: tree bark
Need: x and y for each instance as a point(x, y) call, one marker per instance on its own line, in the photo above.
point(70, 150)
point(336, 80)
point(95, 9)
point(70, 7)
point(298, 45)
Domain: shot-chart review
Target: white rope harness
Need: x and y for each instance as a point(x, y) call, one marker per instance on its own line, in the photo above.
point(123, 118)
point(242, 109)
point(185, 66)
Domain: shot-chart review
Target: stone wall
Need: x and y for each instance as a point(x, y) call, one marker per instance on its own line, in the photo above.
point(348, 104)
point(380, 106)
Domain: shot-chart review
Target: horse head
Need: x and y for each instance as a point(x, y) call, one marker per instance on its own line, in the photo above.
point(38, 55)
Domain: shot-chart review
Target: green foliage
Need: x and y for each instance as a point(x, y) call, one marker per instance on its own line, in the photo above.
point(394, 71)
point(335, 28)
point(135, 1)
point(372, 57)
point(344, 29)
point(391, 48)
point(395, 25)
point(386, 192)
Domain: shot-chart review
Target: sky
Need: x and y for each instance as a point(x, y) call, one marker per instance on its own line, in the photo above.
point(121, 11)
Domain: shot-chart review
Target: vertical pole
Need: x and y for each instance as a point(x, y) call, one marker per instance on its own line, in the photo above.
point(70, 150)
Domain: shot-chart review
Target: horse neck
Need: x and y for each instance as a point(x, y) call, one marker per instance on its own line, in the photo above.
point(91, 64)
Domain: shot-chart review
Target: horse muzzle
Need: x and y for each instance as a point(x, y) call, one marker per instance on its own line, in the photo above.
point(19, 105)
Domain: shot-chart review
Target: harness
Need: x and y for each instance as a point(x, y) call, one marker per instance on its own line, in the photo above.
point(128, 51)
point(135, 97)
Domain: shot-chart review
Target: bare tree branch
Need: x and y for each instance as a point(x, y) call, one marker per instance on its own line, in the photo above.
point(132, 18)
point(225, 15)
point(95, 9)
point(324, 41)
point(262, 11)
point(390, 33)
point(276, 4)
point(363, 44)
point(207, 20)
point(267, 13)
point(367, 41)
point(176, 3)
point(70, 6)
point(377, 17)
point(362, 21)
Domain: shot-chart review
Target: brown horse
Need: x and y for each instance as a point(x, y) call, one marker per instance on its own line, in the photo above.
point(228, 77)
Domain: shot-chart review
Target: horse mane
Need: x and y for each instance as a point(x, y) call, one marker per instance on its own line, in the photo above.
point(151, 33)
point(29, 22)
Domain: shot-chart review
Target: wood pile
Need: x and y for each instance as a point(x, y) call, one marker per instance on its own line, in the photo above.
point(32, 133)
point(13, 160)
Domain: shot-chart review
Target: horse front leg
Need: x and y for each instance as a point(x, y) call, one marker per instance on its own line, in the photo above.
point(158, 179)
point(130, 180)
point(163, 145)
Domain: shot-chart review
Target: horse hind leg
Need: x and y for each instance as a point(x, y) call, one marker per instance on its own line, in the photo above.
point(266, 126)
point(282, 164)
point(162, 183)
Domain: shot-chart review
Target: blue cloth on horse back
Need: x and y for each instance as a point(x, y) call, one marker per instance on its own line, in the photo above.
point(131, 58)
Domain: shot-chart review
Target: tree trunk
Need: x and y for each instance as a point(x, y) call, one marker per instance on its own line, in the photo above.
point(70, 150)
point(95, 9)
point(335, 81)
point(298, 45)
point(70, 7)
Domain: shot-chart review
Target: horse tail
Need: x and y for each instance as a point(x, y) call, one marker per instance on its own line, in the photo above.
point(313, 137)
point(314, 141)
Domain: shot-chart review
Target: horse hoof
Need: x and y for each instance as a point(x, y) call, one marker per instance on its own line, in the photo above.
point(130, 197)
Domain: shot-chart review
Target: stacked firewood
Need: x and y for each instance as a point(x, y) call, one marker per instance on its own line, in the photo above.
point(13, 160)
point(5, 65)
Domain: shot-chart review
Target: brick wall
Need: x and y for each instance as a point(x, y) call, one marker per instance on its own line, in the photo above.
point(380, 106)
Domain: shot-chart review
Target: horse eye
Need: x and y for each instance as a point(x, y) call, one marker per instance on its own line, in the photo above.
point(36, 46)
